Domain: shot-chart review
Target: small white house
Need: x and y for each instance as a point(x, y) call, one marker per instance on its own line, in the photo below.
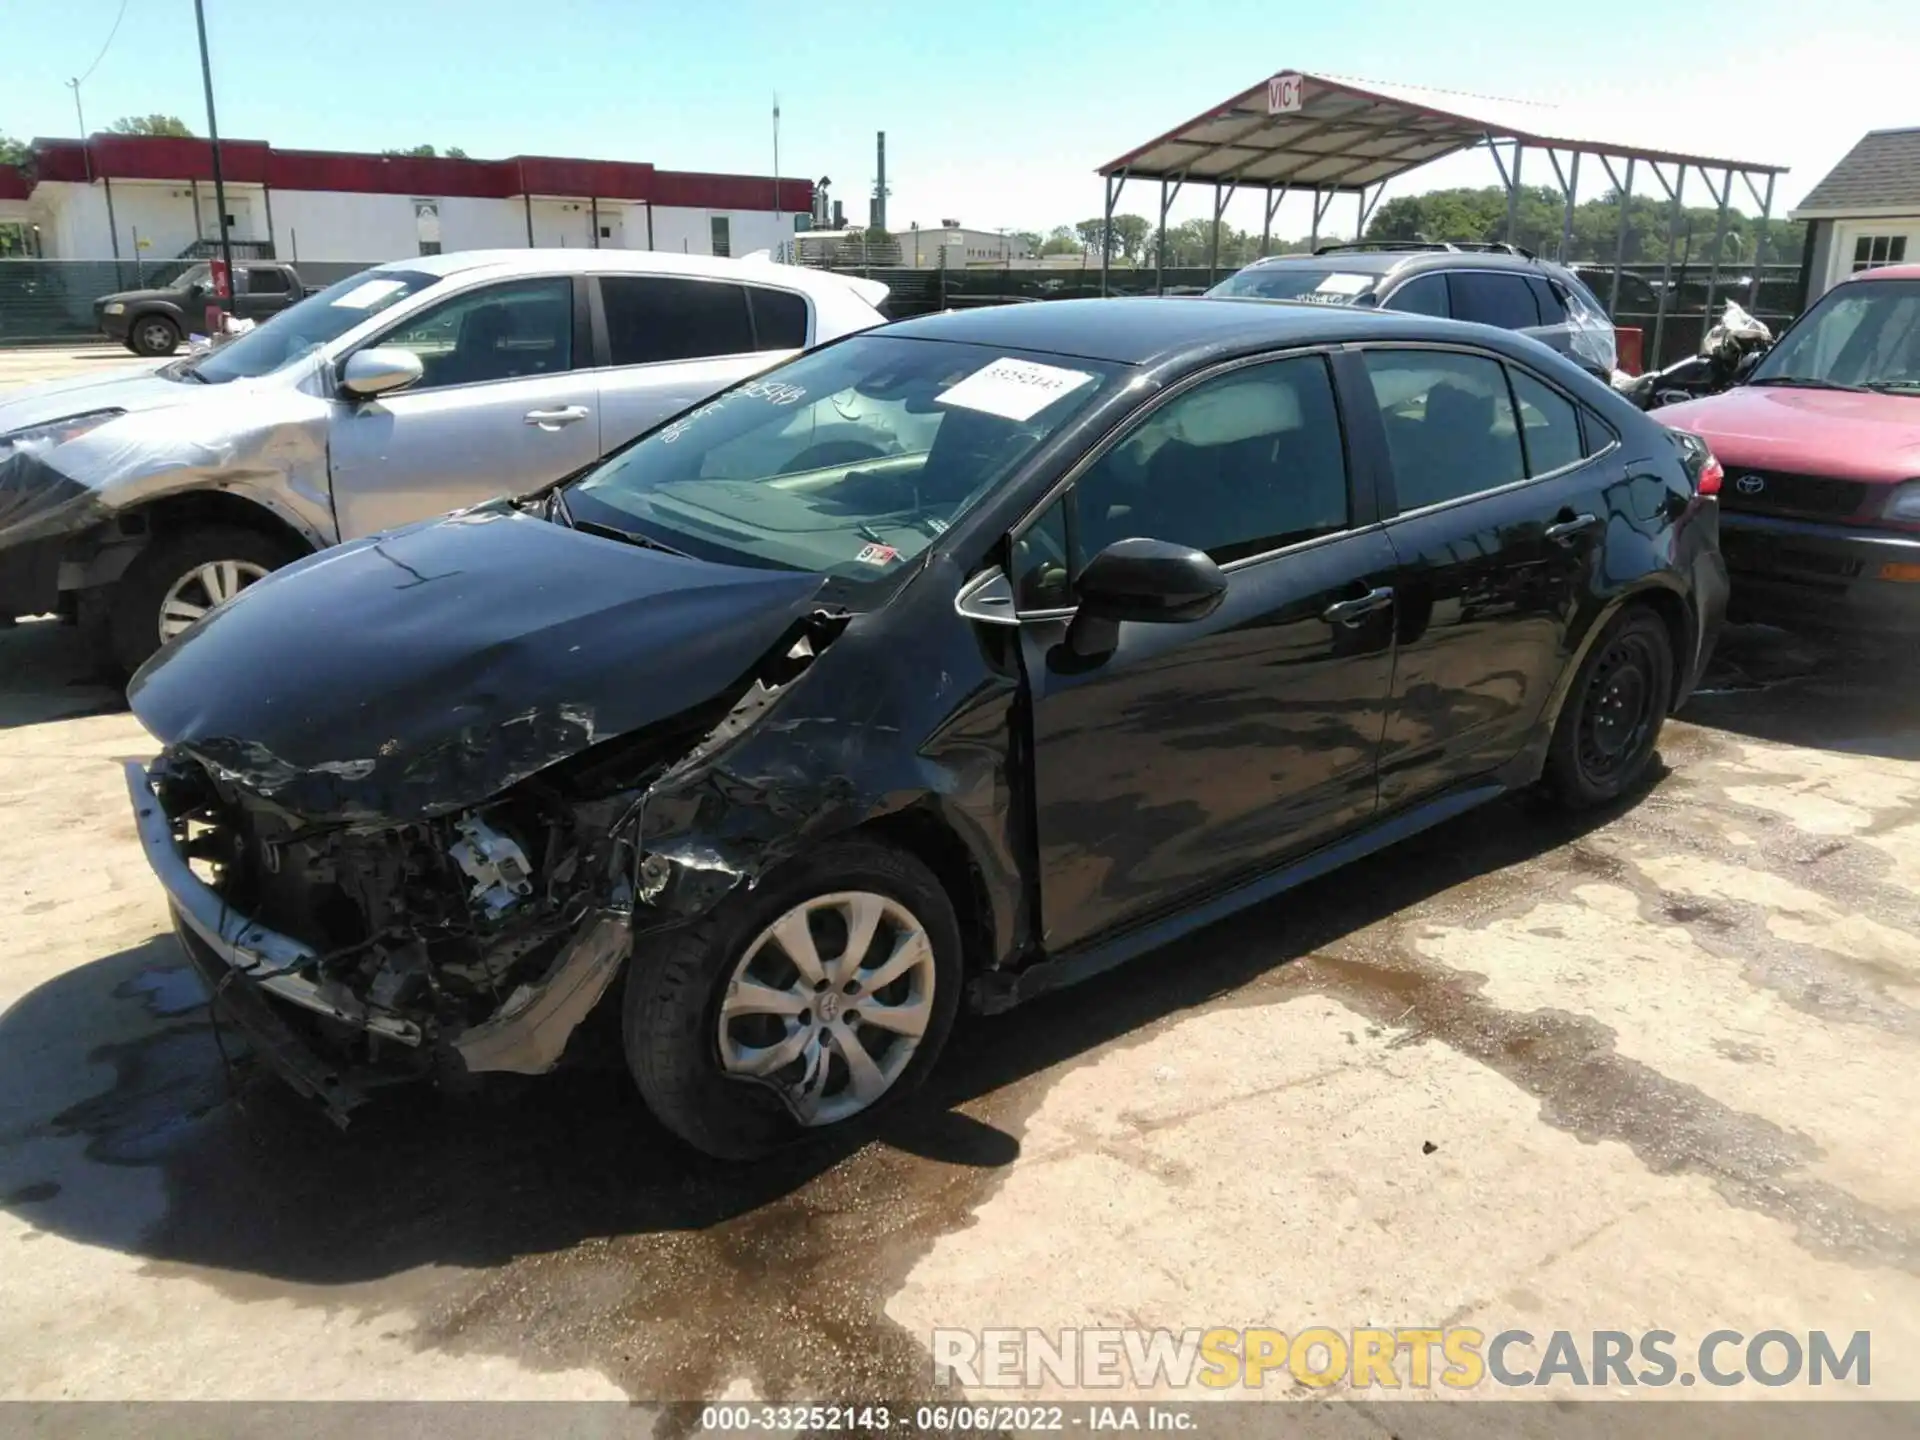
point(1866, 213)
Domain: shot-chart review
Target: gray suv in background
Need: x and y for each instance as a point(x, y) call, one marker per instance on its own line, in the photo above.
point(1495, 284)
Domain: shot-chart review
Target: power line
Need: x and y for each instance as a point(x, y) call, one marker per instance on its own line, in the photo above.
point(87, 74)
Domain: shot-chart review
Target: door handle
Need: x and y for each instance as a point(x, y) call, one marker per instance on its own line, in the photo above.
point(1352, 612)
point(1564, 530)
point(554, 419)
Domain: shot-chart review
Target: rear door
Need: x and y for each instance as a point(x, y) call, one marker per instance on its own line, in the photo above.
point(501, 407)
point(1496, 512)
point(668, 341)
point(1195, 755)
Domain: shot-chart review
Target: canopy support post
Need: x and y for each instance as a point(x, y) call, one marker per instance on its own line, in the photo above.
point(1625, 192)
point(1760, 241)
point(1321, 204)
point(1106, 229)
point(1723, 195)
point(1677, 191)
point(1220, 200)
point(1160, 245)
point(1513, 196)
point(1273, 209)
point(1569, 184)
point(1367, 209)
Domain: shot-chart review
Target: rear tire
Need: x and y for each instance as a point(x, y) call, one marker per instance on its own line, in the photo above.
point(680, 989)
point(153, 336)
point(1611, 721)
point(165, 572)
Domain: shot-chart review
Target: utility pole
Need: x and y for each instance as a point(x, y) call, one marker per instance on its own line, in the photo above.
point(80, 116)
point(778, 226)
point(213, 139)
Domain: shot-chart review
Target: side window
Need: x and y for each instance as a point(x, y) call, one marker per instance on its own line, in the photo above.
point(651, 318)
point(779, 318)
point(1422, 295)
point(1549, 424)
point(1449, 424)
point(498, 332)
point(1546, 294)
point(1040, 562)
point(266, 281)
point(1239, 465)
point(1490, 299)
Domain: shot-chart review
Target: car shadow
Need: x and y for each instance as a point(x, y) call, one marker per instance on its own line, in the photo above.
point(1828, 693)
point(117, 1059)
point(50, 675)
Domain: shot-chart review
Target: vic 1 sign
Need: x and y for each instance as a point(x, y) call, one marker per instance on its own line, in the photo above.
point(1283, 95)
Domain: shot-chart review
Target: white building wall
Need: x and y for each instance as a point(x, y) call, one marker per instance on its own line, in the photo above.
point(690, 231)
point(337, 225)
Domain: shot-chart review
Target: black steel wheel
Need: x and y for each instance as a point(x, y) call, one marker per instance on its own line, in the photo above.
point(1612, 717)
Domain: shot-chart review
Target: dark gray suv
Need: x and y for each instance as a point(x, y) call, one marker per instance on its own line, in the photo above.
point(1496, 284)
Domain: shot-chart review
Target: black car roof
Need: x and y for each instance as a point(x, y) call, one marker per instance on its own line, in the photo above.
point(1137, 330)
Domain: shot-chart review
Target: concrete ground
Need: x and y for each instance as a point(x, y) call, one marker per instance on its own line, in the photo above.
point(1653, 1069)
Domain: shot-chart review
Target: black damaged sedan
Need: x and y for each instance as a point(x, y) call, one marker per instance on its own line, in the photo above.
point(938, 667)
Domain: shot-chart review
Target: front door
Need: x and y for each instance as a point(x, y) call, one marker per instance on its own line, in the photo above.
point(500, 409)
point(1194, 755)
point(1495, 523)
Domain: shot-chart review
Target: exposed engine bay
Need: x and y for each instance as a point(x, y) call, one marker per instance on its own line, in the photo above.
point(460, 943)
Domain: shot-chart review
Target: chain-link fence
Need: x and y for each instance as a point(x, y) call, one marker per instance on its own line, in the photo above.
point(51, 301)
point(1776, 294)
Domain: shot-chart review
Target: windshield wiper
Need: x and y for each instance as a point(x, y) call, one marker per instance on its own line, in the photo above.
point(614, 532)
point(1805, 382)
point(1894, 386)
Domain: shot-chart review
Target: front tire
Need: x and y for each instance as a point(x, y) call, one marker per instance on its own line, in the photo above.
point(153, 336)
point(804, 1005)
point(1611, 721)
point(177, 579)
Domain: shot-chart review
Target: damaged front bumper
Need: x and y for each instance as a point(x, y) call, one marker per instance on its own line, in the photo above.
point(263, 957)
point(254, 970)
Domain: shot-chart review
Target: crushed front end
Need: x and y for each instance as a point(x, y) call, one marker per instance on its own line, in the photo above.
point(356, 955)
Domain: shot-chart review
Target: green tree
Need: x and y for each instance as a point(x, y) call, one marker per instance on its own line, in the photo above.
point(1032, 239)
point(14, 152)
point(1481, 215)
point(1130, 235)
point(1062, 240)
point(427, 152)
point(149, 125)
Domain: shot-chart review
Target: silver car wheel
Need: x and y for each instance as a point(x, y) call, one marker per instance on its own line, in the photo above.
point(201, 589)
point(828, 1004)
point(156, 336)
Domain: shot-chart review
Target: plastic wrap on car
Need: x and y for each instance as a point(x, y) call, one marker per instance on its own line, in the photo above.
point(1591, 332)
point(266, 444)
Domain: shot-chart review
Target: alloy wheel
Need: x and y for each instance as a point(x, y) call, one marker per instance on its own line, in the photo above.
point(201, 589)
point(828, 1004)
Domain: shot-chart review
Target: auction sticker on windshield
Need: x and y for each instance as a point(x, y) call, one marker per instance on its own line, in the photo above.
point(1013, 389)
point(365, 297)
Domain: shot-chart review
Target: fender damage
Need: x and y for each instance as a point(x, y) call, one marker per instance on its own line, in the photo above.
point(438, 851)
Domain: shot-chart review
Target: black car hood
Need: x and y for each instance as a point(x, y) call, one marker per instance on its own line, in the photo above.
point(420, 672)
point(140, 297)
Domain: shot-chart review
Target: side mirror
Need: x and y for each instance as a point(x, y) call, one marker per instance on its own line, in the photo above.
point(377, 370)
point(1149, 581)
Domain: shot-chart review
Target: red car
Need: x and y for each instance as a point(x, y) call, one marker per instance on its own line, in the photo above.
point(1820, 508)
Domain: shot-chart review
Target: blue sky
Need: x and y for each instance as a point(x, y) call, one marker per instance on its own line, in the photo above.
point(997, 112)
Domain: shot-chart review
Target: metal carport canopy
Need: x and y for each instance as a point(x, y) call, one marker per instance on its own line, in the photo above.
point(1317, 132)
point(1332, 136)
